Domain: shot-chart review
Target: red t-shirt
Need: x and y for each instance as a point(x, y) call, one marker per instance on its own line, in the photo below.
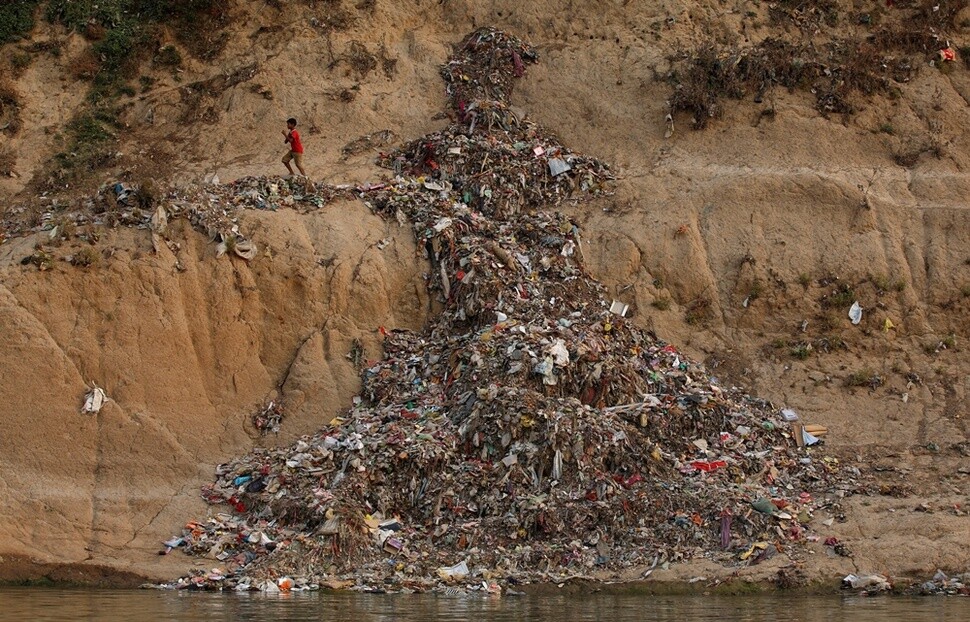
point(294, 139)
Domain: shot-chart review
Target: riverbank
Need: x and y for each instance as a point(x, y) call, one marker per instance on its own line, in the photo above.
point(713, 242)
point(714, 581)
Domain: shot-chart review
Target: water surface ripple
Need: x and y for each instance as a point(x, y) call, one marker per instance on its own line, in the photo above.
point(52, 605)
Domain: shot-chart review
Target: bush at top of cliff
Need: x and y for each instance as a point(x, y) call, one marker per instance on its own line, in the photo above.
point(78, 14)
point(192, 21)
point(16, 19)
point(125, 32)
point(839, 66)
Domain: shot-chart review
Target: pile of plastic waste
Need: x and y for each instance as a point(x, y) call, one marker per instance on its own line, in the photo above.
point(530, 432)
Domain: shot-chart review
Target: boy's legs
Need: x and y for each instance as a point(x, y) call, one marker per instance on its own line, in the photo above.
point(299, 163)
point(286, 161)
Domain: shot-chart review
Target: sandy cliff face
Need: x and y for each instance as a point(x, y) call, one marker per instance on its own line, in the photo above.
point(725, 240)
point(188, 347)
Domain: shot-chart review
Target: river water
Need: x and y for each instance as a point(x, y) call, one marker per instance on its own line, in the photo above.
point(45, 604)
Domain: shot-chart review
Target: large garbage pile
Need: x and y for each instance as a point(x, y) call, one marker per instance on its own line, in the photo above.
point(531, 432)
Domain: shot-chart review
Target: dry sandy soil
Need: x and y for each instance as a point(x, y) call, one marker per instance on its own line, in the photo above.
point(725, 241)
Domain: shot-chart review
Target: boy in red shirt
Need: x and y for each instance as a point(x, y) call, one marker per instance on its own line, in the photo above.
point(296, 147)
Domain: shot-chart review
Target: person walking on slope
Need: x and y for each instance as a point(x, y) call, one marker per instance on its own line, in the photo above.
point(296, 147)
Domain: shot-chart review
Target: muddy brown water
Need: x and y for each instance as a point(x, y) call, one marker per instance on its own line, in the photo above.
point(50, 604)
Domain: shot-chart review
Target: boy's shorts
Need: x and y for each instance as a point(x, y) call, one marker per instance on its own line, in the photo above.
point(292, 155)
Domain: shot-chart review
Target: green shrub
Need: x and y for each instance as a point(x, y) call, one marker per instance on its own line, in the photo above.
point(863, 378)
point(87, 256)
point(8, 160)
point(119, 60)
point(19, 61)
point(78, 14)
point(885, 283)
point(698, 311)
point(9, 106)
point(757, 289)
point(127, 30)
point(16, 19)
point(831, 342)
point(87, 137)
point(841, 297)
point(801, 351)
point(90, 128)
point(168, 56)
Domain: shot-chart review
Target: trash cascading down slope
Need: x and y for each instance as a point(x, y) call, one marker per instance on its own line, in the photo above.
point(528, 433)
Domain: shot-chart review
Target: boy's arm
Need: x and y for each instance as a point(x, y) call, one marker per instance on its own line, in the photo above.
point(288, 138)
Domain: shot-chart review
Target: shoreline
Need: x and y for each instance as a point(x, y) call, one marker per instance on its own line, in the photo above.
point(18, 571)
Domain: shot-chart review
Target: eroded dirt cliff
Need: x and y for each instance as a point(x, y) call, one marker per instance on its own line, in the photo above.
point(188, 348)
point(725, 240)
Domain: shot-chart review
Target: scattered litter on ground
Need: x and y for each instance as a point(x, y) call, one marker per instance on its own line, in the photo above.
point(869, 583)
point(838, 547)
point(270, 417)
point(94, 401)
point(941, 584)
point(372, 141)
point(210, 209)
point(855, 313)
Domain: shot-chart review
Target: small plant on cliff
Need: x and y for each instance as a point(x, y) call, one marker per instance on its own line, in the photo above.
point(843, 296)
point(146, 195)
point(168, 56)
point(829, 343)
point(863, 378)
point(85, 257)
point(356, 354)
point(885, 283)
point(88, 135)
point(19, 62)
point(9, 108)
point(698, 311)
point(41, 258)
point(801, 351)
point(8, 160)
point(756, 290)
point(64, 230)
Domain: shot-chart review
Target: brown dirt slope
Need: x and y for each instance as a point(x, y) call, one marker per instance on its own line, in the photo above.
point(726, 241)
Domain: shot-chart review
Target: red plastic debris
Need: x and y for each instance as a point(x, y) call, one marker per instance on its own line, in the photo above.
point(707, 467)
